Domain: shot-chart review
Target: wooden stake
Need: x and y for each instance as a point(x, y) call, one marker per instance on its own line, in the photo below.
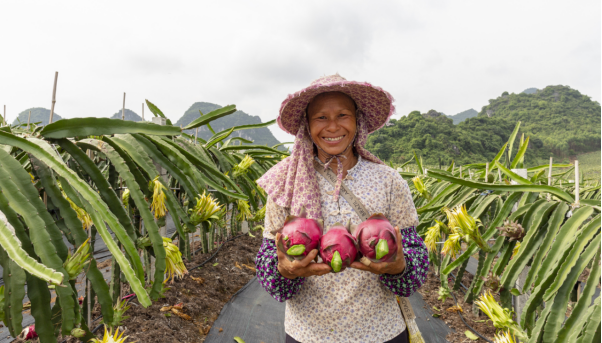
point(486, 170)
point(499, 175)
point(28, 119)
point(123, 108)
point(460, 171)
point(576, 183)
point(4, 117)
point(142, 111)
point(56, 76)
point(196, 135)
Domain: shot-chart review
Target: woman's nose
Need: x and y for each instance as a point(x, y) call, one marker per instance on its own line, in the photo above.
point(333, 125)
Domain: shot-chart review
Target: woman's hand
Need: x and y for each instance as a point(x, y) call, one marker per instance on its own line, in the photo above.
point(304, 268)
point(392, 268)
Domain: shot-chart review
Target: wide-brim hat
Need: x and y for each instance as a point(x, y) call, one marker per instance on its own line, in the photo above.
point(375, 103)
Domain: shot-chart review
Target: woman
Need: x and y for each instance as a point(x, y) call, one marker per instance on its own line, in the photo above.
point(331, 120)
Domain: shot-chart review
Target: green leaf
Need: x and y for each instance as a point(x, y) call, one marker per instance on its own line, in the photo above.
point(505, 188)
point(471, 335)
point(80, 127)
point(155, 110)
point(218, 138)
point(515, 177)
point(579, 311)
point(546, 166)
point(515, 292)
point(97, 209)
point(123, 168)
point(512, 138)
point(211, 116)
point(238, 339)
point(215, 264)
point(253, 147)
point(12, 246)
point(520, 154)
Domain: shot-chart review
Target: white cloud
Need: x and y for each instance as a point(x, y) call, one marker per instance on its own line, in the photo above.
point(443, 55)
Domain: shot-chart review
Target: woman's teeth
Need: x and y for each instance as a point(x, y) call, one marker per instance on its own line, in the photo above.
point(334, 139)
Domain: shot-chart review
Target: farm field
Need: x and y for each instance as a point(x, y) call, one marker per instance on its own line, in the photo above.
point(78, 178)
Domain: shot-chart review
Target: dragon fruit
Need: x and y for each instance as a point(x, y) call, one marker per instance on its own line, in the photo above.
point(338, 248)
point(299, 235)
point(376, 239)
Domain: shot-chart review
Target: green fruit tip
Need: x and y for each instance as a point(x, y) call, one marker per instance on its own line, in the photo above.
point(296, 250)
point(336, 263)
point(382, 249)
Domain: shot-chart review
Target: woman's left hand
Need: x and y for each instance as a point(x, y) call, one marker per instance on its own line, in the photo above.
point(392, 268)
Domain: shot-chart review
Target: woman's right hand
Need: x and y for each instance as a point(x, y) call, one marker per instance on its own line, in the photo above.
point(300, 268)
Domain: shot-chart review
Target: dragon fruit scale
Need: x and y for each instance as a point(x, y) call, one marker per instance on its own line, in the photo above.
point(376, 239)
point(299, 235)
point(338, 248)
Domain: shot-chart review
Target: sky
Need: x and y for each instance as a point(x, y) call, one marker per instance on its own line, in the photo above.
point(444, 55)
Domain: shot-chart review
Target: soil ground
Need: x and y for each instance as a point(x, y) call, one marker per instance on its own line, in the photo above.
point(429, 291)
point(202, 293)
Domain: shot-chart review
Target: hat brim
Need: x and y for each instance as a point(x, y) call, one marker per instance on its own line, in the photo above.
point(375, 103)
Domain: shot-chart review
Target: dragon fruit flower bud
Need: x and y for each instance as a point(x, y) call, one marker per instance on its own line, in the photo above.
point(78, 333)
point(377, 239)
point(338, 248)
point(299, 235)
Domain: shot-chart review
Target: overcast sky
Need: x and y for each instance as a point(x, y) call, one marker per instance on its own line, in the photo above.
point(443, 55)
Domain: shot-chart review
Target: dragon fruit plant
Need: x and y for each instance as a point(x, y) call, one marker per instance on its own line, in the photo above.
point(376, 239)
point(338, 248)
point(299, 235)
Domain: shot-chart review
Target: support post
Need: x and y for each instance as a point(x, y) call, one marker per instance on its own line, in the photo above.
point(486, 171)
point(56, 76)
point(123, 108)
point(28, 119)
point(4, 117)
point(142, 111)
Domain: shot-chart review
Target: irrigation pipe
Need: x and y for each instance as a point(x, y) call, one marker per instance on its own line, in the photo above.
point(462, 317)
point(465, 323)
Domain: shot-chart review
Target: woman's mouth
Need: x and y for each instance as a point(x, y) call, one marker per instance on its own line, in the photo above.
point(333, 139)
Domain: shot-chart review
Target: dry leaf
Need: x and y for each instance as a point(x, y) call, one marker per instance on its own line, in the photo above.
point(455, 309)
point(251, 268)
point(220, 329)
point(206, 330)
point(180, 314)
point(199, 280)
point(178, 306)
point(165, 308)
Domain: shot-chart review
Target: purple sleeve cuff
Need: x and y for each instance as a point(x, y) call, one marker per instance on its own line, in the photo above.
point(417, 264)
point(279, 287)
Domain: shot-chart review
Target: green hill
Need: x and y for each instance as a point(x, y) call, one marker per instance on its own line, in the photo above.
point(38, 114)
point(261, 136)
point(129, 115)
point(566, 121)
point(435, 137)
point(460, 117)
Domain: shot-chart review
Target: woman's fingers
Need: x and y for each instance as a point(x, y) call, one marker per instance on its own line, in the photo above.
point(308, 259)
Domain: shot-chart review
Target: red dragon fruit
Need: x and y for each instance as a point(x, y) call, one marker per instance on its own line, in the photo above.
point(299, 235)
point(376, 239)
point(338, 248)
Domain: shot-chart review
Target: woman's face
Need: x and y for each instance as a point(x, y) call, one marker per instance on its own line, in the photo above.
point(332, 122)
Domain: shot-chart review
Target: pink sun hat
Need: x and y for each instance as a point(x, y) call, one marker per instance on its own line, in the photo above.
point(375, 103)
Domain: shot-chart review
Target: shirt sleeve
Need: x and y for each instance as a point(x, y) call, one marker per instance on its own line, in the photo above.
point(402, 214)
point(417, 262)
point(279, 287)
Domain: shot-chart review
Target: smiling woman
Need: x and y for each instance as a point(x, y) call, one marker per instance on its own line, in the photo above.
point(331, 120)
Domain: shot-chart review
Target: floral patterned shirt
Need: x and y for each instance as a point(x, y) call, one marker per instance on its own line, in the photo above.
point(353, 305)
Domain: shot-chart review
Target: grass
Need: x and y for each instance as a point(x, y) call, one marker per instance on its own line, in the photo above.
point(589, 164)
